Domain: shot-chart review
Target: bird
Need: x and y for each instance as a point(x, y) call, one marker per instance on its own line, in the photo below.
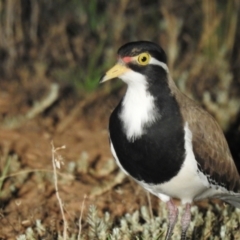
point(166, 141)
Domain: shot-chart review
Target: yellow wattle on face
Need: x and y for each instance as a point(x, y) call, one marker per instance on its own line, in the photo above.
point(121, 68)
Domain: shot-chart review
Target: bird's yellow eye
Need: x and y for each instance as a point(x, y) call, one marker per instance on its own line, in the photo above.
point(143, 58)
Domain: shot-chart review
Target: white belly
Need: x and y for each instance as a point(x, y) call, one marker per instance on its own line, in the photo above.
point(188, 185)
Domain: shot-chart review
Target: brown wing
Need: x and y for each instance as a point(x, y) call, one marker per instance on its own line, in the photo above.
point(209, 144)
point(211, 149)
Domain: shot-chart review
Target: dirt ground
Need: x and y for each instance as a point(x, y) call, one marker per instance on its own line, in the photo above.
point(89, 172)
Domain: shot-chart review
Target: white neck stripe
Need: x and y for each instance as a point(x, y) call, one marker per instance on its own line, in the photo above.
point(154, 61)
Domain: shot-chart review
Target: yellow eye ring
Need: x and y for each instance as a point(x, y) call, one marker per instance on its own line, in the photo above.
point(143, 58)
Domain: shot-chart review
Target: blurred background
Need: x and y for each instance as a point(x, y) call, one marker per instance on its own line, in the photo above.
point(73, 42)
point(52, 55)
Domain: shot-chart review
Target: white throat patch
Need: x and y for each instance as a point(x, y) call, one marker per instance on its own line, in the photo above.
point(138, 109)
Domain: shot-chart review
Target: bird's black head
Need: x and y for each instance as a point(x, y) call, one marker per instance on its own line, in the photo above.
point(139, 62)
point(132, 49)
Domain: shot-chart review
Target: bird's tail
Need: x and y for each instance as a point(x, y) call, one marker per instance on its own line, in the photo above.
point(231, 199)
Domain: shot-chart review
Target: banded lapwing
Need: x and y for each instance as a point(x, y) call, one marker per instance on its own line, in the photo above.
point(164, 140)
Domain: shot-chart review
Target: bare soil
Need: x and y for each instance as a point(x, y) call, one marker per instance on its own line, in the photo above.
point(89, 172)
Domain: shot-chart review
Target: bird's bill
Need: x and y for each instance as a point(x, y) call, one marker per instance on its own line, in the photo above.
point(114, 72)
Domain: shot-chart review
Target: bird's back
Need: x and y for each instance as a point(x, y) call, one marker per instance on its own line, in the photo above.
point(209, 143)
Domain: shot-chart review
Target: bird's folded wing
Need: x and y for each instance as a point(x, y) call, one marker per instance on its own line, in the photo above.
point(210, 147)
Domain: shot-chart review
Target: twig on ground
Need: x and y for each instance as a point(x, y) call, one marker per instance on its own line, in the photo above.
point(80, 218)
point(6, 160)
point(66, 176)
point(56, 161)
point(38, 107)
point(150, 205)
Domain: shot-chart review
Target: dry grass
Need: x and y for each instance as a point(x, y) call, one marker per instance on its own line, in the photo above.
point(57, 161)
